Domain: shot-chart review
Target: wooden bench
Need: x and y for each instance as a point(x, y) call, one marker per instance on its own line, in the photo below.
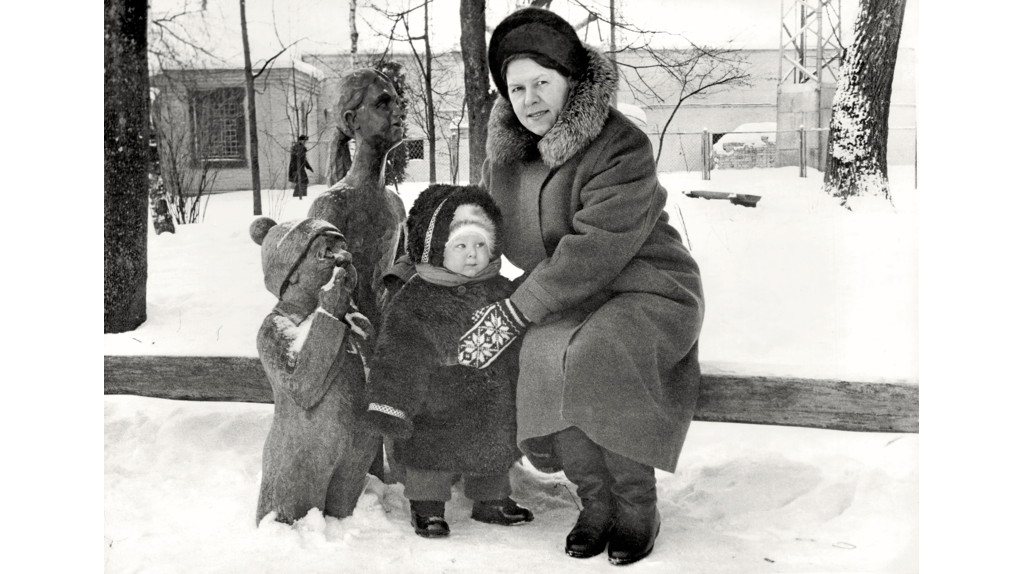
point(771, 400)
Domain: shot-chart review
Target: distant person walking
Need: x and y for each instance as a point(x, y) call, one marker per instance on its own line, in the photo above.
point(297, 167)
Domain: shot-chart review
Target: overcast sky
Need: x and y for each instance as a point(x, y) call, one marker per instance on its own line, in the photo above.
point(321, 26)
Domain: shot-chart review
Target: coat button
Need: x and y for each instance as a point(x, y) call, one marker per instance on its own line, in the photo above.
point(461, 290)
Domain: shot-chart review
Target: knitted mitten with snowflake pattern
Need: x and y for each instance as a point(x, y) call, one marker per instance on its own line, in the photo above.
point(494, 328)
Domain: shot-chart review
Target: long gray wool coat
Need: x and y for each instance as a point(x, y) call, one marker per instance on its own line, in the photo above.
point(615, 297)
point(463, 418)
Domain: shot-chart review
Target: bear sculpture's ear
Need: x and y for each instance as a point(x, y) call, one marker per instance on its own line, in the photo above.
point(259, 228)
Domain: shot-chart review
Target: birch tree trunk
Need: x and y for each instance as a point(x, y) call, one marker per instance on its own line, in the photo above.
point(125, 164)
point(353, 34)
point(478, 100)
point(859, 130)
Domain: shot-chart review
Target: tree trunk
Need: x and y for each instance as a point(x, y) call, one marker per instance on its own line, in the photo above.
point(859, 128)
point(613, 52)
point(254, 140)
point(478, 98)
point(428, 64)
point(353, 33)
point(125, 164)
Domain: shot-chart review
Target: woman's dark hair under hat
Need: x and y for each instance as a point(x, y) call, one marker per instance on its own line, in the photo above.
point(536, 57)
point(535, 31)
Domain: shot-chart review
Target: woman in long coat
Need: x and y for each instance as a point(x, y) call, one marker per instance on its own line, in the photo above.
point(610, 305)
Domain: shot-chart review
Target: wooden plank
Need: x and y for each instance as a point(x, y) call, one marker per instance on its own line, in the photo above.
point(787, 401)
point(815, 403)
point(237, 379)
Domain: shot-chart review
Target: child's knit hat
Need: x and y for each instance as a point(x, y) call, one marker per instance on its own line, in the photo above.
point(430, 222)
point(284, 245)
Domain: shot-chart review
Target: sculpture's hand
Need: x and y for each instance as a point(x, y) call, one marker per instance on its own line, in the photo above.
point(334, 296)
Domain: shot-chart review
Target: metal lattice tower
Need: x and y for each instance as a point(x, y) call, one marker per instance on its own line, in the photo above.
point(810, 42)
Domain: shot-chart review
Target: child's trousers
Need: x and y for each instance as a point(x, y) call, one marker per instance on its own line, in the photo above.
point(437, 485)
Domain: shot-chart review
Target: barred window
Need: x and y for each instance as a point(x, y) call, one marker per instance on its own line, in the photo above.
point(218, 126)
point(415, 148)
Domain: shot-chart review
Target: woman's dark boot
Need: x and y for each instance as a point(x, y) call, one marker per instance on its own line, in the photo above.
point(428, 518)
point(583, 463)
point(637, 521)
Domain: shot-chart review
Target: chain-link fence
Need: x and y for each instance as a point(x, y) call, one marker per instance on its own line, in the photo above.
point(707, 151)
point(680, 151)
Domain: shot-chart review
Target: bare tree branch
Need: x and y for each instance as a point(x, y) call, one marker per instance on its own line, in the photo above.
point(173, 17)
point(187, 41)
point(272, 58)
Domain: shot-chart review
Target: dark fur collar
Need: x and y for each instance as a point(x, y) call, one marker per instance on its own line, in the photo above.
point(576, 128)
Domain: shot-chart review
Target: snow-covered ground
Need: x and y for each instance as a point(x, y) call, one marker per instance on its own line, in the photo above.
point(181, 482)
point(795, 286)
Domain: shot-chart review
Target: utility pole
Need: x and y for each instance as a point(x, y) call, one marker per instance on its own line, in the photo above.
point(809, 54)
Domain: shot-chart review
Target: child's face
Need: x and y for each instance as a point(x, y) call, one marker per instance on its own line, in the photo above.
point(466, 253)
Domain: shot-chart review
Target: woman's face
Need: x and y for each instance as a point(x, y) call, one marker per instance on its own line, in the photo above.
point(538, 94)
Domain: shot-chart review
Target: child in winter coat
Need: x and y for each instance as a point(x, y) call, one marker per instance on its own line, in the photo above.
point(447, 420)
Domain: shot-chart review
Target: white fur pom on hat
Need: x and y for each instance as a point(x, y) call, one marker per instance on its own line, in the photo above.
point(483, 227)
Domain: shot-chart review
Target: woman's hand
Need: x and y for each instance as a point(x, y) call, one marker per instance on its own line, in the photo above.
point(494, 328)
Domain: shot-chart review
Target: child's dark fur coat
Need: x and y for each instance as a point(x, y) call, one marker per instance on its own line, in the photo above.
point(463, 418)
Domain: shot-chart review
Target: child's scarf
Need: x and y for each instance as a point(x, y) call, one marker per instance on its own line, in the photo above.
point(447, 278)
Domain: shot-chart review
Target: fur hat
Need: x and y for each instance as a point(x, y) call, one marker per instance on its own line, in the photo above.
point(431, 221)
point(284, 245)
point(535, 31)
